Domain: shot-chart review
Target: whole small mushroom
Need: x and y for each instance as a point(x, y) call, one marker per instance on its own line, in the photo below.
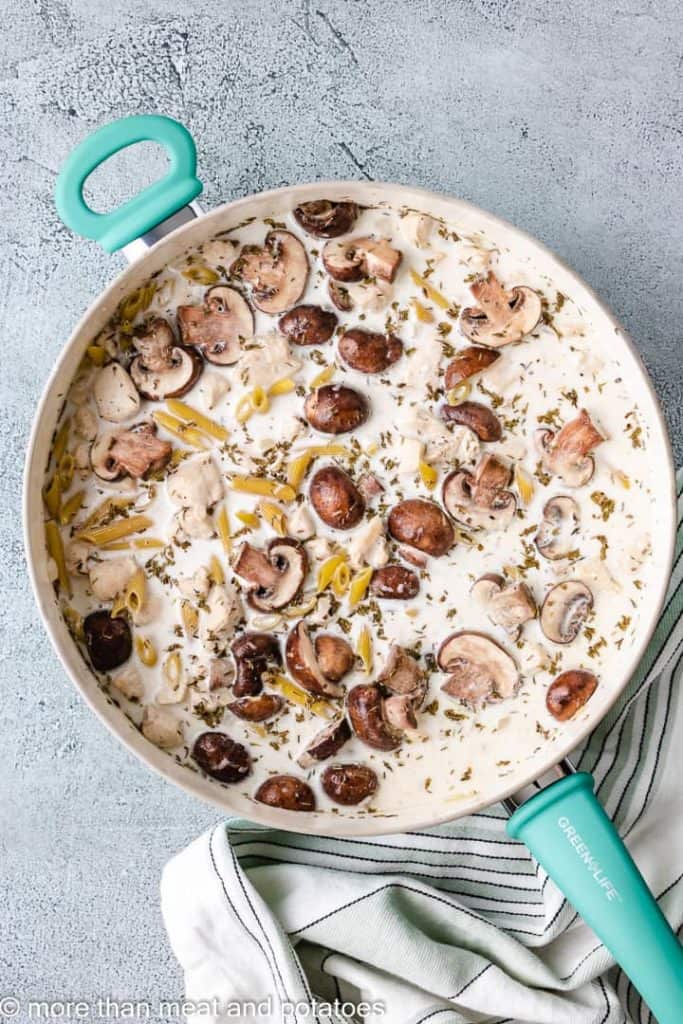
point(324, 218)
point(326, 743)
point(569, 692)
point(308, 325)
point(394, 582)
point(335, 656)
point(468, 362)
point(564, 611)
point(501, 317)
point(277, 271)
point(369, 352)
point(286, 792)
point(257, 709)
point(221, 757)
point(219, 327)
point(349, 784)
point(108, 640)
point(305, 667)
point(336, 409)
point(423, 525)
point(335, 498)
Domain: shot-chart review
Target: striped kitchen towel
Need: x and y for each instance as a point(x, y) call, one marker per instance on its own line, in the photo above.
point(450, 925)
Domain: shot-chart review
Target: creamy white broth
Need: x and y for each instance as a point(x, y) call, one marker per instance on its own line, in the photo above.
point(559, 368)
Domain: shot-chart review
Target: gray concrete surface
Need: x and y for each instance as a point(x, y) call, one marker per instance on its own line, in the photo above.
point(564, 118)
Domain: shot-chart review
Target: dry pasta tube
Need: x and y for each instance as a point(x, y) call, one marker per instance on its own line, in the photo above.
point(192, 416)
point(53, 540)
point(115, 531)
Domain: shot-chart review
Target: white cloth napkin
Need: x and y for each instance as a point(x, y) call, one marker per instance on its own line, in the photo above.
point(453, 925)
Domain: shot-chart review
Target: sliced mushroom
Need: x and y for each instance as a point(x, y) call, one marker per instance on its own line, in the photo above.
point(421, 524)
point(286, 792)
point(335, 656)
point(366, 711)
point(369, 486)
point(275, 576)
point(327, 743)
point(467, 363)
point(566, 453)
point(500, 317)
point(219, 327)
point(479, 670)
point(559, 524)
point(399, 712)
point(340, 296)
point(369, 352)
point(308, 325)
point(507, 606)
point(479, 500)
point(134, 452)
point(304, 667)
point(402, 675)
point(569, 692)
point(115, 394)
point(221, 757)
point(479, 418)
point(257, 709)
point(356, 258)
point(336, 409)
point(394, 582)
point(335, 498)
point(324, 218)
point(277, 271)
point(564, 611)
point(349, 784)
point(255, 654)
point(107, 639)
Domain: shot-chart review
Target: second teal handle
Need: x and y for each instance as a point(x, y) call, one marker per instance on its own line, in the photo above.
point(569, 834)
point(147, 209)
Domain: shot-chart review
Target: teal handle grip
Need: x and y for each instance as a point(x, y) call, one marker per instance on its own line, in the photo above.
point(570, 835)
point(144, 211)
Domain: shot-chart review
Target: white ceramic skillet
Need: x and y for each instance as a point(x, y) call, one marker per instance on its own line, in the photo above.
point(562, 823)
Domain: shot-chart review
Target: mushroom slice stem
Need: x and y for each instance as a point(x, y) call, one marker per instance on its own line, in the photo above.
point(507, 606)
point(559, 525)
point(566, 453)
point(326, 743)
point(501, 317)
point(356, 258)
point(480, 671)
point(134, 452)
point(304, 667)
point(564, 611)
point(275, 576)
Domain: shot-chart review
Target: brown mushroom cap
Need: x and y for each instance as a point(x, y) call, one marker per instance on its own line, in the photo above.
point(564, 611)
point(569, 692)
point(467, 363)
point(254, 654)
point(163, 369)
point(501, 317)
point(304, 667)
point(559, 524)
point(369, 352)
point(275, 575)
point(335, 656)
point(286, 792)
point(326, 743)
point(480, 671)
point(394, 582)
point(479, 500)
point(355, 258)
point(221, 757)
point(134, 452)
point(257, 709)
point(308, 325)
point(479, 418)
point(220, 326)
point(348, 784)
point(421, 524)
point(108, 640)
point(366, 711)
point(336, 409)
point(566, 453)
point(324, 218)
point(335, 498)
point(277, 271)
point(507, 606)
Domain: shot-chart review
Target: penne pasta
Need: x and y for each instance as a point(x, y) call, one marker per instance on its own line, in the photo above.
point(192, 416)
point(249, 519)
point(223, 527)
point(71, 508)
point(324, 377)
point(364, 648)
point(53, 540)
point(428, 475)
point(135, 592)
point(216, 573)
point(52, 496)
point(274, 516)
point(282, 387)
point(115, 531)
point(262, 485)
point(432, 293)
point(328, 569)
point(61, 441)
point(359, 586)
point(181, 430)
point(146, 651)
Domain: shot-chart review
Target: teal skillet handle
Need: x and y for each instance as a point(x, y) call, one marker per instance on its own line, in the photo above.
point(570, 835)
point(147, 209)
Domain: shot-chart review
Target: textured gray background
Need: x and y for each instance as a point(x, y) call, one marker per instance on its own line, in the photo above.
point(564, 118)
